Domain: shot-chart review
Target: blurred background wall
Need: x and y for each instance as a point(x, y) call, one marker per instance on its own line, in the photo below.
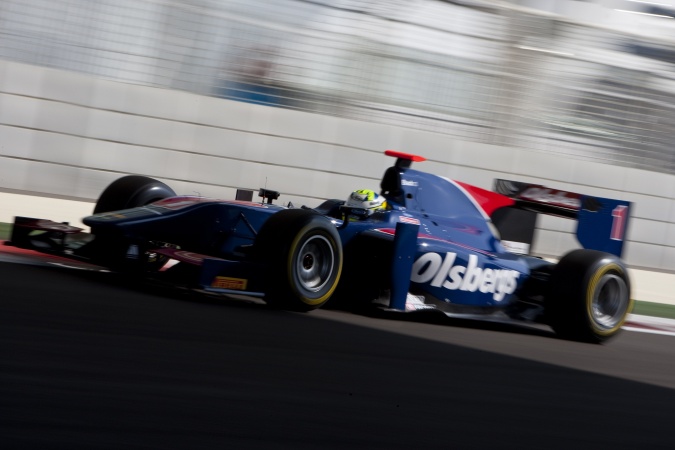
point(303, 96)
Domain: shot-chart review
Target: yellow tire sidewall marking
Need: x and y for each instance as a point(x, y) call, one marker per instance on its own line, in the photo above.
point(291, 265)
point(589, 298)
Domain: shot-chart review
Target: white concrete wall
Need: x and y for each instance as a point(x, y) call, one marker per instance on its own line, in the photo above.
point(67, 136)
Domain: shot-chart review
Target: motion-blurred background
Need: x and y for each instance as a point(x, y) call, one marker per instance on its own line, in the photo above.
point(304, 95)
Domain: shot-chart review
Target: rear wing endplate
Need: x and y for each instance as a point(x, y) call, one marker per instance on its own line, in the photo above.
point(602, 223)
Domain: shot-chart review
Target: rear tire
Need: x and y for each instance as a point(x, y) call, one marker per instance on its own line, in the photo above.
point(303, 254)
point(589, 298)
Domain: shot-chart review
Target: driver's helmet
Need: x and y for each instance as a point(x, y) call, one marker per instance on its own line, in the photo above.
point(366, 199)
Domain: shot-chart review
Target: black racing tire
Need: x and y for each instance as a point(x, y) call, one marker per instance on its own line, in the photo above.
point(132, 191)
point(589, 297)
point(303, 255)
point(127, 192)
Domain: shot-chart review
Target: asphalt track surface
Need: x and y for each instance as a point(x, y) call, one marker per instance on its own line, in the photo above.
point(89, 361)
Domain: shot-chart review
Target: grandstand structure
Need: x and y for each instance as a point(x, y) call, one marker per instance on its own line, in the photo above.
point(587, 82)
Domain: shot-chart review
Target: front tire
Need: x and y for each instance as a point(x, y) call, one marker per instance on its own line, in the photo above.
point(303, 254)
point(130, 192)
point(127, 192)
point(589, 298)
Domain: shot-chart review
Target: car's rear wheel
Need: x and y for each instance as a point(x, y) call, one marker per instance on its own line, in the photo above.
point(589, 297)
point(120, 253)
point(303, 255)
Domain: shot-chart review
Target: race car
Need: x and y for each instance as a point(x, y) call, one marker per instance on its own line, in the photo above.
point(432, 243)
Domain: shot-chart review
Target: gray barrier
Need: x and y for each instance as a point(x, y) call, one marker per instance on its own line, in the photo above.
point(67, 135)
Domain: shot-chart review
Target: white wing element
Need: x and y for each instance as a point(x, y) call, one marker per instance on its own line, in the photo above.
point(412, 302)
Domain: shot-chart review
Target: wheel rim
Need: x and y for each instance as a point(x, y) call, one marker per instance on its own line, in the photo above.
point(610, 301)
point(315, 262)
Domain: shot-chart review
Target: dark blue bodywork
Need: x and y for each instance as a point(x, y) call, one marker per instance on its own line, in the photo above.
point(446, 248)
point(458, 259)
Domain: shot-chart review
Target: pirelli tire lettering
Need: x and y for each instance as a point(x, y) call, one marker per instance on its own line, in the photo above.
point(441, 271)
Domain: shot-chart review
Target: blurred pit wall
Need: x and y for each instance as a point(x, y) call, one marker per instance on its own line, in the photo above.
point(65, 136)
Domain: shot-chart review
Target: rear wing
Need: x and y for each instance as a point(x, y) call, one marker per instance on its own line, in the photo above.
point(601, 222)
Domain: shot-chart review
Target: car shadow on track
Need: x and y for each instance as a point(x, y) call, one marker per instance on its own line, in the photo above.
point(168, 289)
point(90, 362)
point(435, 317)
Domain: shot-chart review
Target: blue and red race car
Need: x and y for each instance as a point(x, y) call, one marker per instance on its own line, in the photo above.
point(436, 245)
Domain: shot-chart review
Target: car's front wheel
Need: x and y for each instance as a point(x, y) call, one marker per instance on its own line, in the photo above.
point(303, 255)
point(120, 253)
point(131, 191)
